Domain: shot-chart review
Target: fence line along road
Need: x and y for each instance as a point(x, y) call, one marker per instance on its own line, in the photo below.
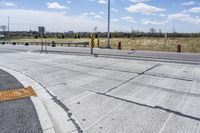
point(84, 44)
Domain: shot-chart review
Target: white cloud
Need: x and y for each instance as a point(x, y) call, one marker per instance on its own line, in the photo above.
point(7, 3)
point(139, 1)
point(189, 3)
point(55, 5)
point(162, 15)
point(128, 19)
point(102, 1)
point(143, 9)
point(150, 22)
point(178, 16)
point(53, 21)
point(98, 16)
point(195, 10)
point(184, 17)
point(93, 14)
point(114, 20)
point(101, 12)
point(69, 2)
point(85, 14)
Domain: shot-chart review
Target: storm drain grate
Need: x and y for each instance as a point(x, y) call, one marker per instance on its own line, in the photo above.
point(14, 94)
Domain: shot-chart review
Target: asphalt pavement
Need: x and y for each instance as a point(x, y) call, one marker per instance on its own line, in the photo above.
point(17, 116)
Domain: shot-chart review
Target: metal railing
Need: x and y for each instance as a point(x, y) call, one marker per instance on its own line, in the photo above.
point(53, 44)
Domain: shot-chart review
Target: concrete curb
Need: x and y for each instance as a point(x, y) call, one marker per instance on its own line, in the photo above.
point(53, 118)
point(128, 57)
point(43, 116)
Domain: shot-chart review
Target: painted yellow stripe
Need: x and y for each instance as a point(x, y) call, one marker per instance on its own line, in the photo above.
point(14, 94)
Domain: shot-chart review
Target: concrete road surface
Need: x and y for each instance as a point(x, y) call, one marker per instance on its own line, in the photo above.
point(110, 95)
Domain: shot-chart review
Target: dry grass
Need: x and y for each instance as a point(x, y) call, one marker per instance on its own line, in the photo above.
point(188, 44)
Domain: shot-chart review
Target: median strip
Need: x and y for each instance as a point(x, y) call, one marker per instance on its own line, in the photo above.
point(8, 95)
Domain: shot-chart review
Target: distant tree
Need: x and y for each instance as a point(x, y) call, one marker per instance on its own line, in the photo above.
point(128, 35)
point(160, 31)
point(63, 36)
point(57, 35)
point(78, 36)
point(152, 30)
point(36, 36)
point(44, 36)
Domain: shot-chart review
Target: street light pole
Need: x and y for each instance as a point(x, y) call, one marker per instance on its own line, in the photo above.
point(8, 25)
point(108, 37)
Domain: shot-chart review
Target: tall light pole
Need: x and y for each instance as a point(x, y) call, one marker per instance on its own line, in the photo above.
point(8, 25)
point(108, 37)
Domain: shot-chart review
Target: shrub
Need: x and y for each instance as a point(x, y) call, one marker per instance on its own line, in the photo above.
point(96, 36)
point(63, 36)
point(53, 44)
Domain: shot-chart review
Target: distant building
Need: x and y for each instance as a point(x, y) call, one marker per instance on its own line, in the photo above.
point(1, 35)
point(3, 27)
point(41, 30)
point(70, 32)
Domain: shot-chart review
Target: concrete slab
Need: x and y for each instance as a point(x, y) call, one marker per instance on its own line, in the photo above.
point(101, 85)
point(112, 74)
point(175, 71)
point(66, 93)
point(131, 66)
point(176, 124)
point(164, 83)
point(130, 118)
point(147, 95)
point(97, 62)
point(190, 106)
point(92, 107)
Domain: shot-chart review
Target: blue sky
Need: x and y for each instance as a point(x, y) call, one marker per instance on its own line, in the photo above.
point(84, 15)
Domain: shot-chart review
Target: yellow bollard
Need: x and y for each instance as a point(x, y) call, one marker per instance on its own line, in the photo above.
point(92, 43)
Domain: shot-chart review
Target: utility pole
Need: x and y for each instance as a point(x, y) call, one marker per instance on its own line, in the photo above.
point(174, 29)
point(174, 32)
point(108, 37)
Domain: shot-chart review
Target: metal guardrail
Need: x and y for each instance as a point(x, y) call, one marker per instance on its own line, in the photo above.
point(76, 44)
